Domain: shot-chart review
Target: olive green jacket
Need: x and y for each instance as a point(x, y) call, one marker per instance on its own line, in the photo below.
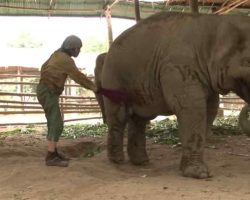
point(57, 68)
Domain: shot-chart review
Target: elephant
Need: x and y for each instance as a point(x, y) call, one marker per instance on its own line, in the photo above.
point(173, 64)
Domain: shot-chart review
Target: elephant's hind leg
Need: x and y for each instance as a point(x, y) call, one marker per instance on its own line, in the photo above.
point(116, 121)
point(137, 141)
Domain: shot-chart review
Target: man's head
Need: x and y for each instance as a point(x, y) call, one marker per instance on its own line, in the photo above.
point(72, 45)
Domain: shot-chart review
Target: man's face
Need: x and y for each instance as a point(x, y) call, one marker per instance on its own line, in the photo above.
point(76, 52)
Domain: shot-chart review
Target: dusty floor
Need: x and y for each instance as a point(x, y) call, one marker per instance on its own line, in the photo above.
point(25, 177)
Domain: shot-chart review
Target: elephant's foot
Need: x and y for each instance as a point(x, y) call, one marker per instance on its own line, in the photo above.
point(116, 155)
point(194, 167)
point(138, 157)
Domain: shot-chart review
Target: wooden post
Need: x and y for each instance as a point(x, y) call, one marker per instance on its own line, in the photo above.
point(107, 10)
point(20, 87)
point(137, 11)
point(194, 6)
point(61, 101)
point(70, 88)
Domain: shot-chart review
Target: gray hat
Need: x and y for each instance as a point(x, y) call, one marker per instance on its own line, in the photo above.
point(72, 42)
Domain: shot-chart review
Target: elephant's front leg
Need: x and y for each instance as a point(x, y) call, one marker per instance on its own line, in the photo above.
point(137, 140)
point(116, 121)
point(192, 120)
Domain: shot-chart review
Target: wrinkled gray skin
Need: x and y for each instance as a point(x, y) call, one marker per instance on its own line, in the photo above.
point(98, 72)
point(175, 63)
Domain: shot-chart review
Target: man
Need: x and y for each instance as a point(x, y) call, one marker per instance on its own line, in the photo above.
point(54, 73)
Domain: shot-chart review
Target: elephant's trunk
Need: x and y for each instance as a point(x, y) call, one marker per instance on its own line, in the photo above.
point(244, 120)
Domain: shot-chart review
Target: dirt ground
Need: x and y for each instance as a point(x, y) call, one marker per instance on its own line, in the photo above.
point(25, 177)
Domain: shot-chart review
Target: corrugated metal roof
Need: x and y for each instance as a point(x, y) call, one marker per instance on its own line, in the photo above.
point(120, 8)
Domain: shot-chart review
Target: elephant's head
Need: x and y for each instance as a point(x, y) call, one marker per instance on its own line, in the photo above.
point(230, 63)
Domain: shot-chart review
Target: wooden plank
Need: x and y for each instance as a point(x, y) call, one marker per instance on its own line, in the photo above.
point(22, 107)
point(18, 83)
point(78, 107)
point(230, 102)
point(37, 123)
point(34, 94)
point(194, 6)
point(35, 83)
point(16, 94)
point(233, 109)
point(18, 75)
point(39, 112)
point(64, 104)
point(137, 11)
point(17, 102)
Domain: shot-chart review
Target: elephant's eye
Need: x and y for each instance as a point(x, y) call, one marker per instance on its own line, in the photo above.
point(245, 62)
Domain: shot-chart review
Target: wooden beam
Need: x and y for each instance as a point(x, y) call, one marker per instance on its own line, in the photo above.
point(108, 16)
point(137, 11)
point(36, 123)
point(231, 6)
point(194, 6)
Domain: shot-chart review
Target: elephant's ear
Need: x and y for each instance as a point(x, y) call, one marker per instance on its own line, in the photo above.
point(228, 44)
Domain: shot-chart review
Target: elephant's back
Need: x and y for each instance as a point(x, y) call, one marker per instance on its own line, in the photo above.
point(157, 40)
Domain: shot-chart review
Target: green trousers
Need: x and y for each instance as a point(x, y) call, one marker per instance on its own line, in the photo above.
point(50, 104)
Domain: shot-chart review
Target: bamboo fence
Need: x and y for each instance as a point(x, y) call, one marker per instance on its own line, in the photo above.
point(17, 97)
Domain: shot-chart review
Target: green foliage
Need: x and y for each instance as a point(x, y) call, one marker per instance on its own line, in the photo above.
point(78, 130)
point(93, 45)
point(24, 130)
point(166, 131)
point(163, 132)
point(227, 126)
point(25, 40)
point(11, 132)
point(92, 151)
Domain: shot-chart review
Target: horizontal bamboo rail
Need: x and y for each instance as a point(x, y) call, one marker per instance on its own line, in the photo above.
point(86, 111)
point(63, 104)
point(30, 83)
point(41, 123)
point(34, 95)
point(18, 76)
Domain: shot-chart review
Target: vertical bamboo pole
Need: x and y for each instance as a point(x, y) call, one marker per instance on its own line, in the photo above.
point(70, 88)
point(107, 10)
point(137, 11)
point(194, 6)
point(20, 87)
point(61, 100)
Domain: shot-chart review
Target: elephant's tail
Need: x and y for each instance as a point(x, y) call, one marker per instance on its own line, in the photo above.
point(116, 96)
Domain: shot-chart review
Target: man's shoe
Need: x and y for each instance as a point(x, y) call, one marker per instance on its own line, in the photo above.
point(62, 155)
point(52, 159)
